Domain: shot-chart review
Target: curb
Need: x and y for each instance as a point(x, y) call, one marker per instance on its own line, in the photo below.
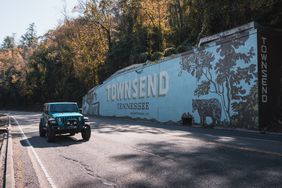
point(3, 157)
point(9, 175)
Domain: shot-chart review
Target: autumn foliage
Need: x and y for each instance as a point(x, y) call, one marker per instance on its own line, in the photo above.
point(108, 35)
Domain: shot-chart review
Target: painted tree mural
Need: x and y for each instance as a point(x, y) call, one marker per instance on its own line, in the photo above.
point(225, 76)
point(246, 110)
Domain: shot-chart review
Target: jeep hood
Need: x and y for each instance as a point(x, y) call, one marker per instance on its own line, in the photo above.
point(65, 114)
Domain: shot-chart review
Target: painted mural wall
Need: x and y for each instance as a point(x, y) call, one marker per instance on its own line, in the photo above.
point(216, 84)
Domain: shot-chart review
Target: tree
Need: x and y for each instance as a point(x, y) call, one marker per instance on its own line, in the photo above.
point(155, 17)
point(14, 71)
point(29, 39)
point(101, 13)
point(8, 43)
point(179, 13)
point(89, 46)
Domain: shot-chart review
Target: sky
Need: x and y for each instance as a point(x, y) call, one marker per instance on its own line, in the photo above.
point(17, 15)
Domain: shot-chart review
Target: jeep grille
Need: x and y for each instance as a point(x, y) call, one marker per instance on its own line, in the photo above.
point(70, 119)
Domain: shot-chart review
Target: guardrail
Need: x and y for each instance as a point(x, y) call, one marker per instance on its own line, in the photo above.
point(6, 152)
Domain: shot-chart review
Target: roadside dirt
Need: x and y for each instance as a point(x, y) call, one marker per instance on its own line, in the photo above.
point(25, 175)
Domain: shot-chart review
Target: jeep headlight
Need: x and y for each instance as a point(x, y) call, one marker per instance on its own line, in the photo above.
point(59, 120)
point(52, 121)
point(86, 119)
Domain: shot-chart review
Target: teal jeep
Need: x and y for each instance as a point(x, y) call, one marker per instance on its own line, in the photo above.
point(63, 118)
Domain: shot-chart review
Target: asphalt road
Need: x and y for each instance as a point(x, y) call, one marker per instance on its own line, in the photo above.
point(130, 153)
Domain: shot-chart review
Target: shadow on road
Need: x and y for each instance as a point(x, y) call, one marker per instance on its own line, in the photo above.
point(113, 125)
point(167, 165)
point(60, 141)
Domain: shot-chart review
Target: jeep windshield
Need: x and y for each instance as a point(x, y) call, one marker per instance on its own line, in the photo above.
point(55, 108)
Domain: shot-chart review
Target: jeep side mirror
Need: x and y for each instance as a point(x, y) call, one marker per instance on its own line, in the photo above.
point(80, 110)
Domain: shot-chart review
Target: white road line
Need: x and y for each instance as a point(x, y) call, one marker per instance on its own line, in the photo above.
point(49, 179)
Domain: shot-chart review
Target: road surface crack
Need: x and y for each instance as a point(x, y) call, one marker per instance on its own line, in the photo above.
point(90, 172)
point(153, 154)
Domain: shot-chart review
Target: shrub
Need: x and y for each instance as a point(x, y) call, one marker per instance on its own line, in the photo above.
point(157, 56)
point(169, 51)
point(143, 57)
point(181, 48)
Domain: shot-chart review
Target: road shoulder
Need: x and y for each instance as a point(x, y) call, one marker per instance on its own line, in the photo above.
point(25, 174)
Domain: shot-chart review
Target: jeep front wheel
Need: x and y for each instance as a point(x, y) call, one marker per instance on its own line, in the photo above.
point(50, 134)
point(86, 133)
point(42, 132)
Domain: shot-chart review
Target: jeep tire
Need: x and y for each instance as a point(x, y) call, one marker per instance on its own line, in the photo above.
point(42, 132)
point(50, 134)
point(86, 133)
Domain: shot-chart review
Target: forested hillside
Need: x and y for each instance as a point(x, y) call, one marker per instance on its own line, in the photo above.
point(108, 35)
